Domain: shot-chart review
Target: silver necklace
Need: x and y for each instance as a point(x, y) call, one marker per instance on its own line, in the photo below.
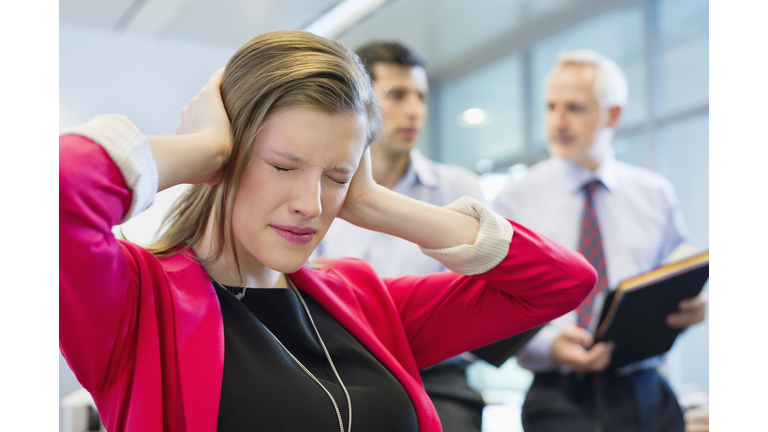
point(327, 355)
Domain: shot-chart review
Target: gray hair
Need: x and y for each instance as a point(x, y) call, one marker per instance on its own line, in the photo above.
point(610, 82)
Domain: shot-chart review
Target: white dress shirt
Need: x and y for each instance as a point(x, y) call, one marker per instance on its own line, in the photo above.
point(424, 180)
point(640, 224)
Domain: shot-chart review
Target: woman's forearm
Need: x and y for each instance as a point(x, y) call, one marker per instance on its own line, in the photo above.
point(425, 224)
point(192, 158)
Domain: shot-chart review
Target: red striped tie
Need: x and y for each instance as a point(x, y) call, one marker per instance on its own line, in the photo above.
point(591, 246)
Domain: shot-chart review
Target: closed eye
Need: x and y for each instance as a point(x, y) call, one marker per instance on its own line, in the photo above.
point(281, 169)
point(339, 182)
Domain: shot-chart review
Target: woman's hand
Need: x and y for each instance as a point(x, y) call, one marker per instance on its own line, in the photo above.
point(206, 115)
point(203, 143)
point(374, 207)
point(362, 193)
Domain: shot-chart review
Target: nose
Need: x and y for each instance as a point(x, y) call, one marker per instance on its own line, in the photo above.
point(557, 118)
point(306, 199)
point(415, 107)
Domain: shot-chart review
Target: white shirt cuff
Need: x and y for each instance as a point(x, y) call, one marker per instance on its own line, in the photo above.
point(490, 247)
point(536, 355)
point(129, 150)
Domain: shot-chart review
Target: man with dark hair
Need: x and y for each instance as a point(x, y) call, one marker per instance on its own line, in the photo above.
point(400, 82)
point(389, 52)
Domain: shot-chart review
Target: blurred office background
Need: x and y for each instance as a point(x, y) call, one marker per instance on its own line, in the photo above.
point(486, 63)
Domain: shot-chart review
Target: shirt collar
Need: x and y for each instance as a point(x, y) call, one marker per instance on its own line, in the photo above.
point(576, 176)
point(420, 168)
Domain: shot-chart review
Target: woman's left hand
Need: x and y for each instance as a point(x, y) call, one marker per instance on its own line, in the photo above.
point(361, 194)
point(374, 207)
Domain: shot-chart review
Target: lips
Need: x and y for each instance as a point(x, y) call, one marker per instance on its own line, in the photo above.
point(294, 235)
point(562, 139)
point(408, 133)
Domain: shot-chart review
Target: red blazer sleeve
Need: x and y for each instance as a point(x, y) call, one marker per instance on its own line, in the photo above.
point(97, 289)
point(445, 314)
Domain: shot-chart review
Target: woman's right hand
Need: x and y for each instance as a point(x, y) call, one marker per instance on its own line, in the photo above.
point(206, 115)
point(203, 141)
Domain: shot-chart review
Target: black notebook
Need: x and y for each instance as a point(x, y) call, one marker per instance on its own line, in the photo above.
point(633, 316)
point(498, 352)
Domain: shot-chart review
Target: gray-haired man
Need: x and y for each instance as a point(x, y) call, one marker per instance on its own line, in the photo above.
point(625, 220)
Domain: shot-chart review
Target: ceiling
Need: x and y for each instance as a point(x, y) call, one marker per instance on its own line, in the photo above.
point(231, 22)
point(447, 31)
point(452, 34)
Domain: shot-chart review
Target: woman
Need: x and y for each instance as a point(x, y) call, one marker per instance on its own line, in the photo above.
point(185, 337)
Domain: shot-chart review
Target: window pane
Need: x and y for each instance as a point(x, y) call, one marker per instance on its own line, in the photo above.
point(481, 115)
point(617, 35)
point(682, 54)
point(682, 155)
point(632, 149)
point(426, 142)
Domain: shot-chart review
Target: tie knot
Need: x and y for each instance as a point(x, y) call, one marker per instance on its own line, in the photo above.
point(592, 186)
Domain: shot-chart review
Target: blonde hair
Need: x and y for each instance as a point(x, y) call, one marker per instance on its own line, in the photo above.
point(272, 71)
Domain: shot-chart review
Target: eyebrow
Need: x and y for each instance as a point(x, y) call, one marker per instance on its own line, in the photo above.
point(342, 169)
point(403, 88)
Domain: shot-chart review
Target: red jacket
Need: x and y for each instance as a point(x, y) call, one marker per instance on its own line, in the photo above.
point(145, 335)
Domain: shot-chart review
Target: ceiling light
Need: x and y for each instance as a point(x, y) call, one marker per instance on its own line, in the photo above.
point(341, 17)
point(473, 117)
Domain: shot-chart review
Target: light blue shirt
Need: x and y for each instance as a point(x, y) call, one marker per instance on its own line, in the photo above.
point(640, 224)
point(424, 180)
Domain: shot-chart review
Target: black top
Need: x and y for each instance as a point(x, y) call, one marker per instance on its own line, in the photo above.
point(264, 389)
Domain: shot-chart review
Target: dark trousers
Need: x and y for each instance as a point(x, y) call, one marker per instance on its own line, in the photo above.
point(459, 407)
point(640, 402)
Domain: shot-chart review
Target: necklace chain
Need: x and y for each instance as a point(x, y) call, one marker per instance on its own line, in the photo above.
point(240, 297)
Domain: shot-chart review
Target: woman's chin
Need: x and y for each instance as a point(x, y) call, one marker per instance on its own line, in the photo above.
point(286, 264)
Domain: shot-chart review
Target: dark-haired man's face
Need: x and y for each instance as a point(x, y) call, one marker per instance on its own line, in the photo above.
point(402, 92)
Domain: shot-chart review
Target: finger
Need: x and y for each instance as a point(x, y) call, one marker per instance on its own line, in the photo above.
point(689, 304)
point(571, 355)
point(685, 319)
point(675, 320)
point(214, 82)
point(595, 359)
point(599, 356)
point(694, 311)
point(363, 172)
point(580, 336)
point(694, 302)
point(181, 127)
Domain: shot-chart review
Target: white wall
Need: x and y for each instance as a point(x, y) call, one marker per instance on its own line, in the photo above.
point(146, 79)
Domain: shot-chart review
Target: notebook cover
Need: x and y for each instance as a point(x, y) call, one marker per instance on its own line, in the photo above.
point(638, 327)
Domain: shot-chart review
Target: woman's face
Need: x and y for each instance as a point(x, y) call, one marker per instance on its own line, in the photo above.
point(302, 163)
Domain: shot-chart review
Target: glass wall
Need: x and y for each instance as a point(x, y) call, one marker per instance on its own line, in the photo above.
point(480, 116)
point(681, 55)
point(662, 46)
